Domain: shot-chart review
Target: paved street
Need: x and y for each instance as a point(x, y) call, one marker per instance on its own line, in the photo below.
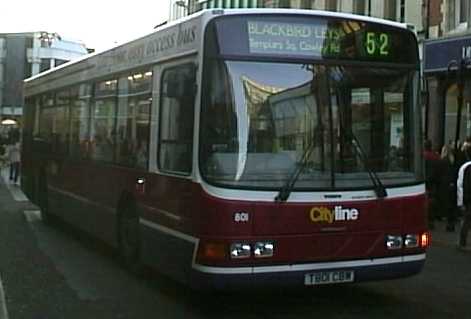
point(51, 272)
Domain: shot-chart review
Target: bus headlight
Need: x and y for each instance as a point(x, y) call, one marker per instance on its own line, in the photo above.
point(393, 242)
point(411, 241)
point(240, 250)
point(263, 249)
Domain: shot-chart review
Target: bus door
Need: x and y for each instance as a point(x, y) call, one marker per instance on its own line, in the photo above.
point(168, 193)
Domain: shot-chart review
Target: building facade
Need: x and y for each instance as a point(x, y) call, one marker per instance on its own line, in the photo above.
point(447, 61)
point(398, 10)
point(23, 55)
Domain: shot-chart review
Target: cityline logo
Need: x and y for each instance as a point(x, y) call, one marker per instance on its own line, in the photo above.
point(327, 215)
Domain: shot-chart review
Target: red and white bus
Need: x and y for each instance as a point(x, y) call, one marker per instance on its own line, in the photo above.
point(240, 148)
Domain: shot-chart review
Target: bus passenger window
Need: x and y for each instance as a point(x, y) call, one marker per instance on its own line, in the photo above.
point(133, 122)
point(80, 121)
point(176, 119)
point(103, 131)
point(62, 122)
point(53, 119)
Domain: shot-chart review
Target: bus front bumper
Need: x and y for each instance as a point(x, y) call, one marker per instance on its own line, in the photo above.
point(297, 276)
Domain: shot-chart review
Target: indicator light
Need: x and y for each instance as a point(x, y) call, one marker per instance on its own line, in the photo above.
point(212, 251)
point(425, 240)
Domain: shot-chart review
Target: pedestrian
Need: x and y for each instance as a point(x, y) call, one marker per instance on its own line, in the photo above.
point(429, 153)
point(432, 182)
point(460, 156)
point(14, 156)
point(446, 191)
point(464, 198)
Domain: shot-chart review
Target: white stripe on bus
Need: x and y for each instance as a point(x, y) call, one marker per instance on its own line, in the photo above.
point(160, 211)
point(310, 267)
point(80, 198)
point(169, 231)
point(313, 196)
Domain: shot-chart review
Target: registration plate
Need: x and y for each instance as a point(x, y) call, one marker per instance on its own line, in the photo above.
point(329, 277)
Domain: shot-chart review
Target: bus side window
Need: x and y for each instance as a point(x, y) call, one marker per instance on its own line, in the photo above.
point(133, 121)
point(103, 117)
point(176, 119)
point(80, 121)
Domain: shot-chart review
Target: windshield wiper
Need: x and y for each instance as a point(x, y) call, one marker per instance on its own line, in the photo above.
point(286, 190)
point(378, 186)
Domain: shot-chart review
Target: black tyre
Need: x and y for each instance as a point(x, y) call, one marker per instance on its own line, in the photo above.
point(129, 239)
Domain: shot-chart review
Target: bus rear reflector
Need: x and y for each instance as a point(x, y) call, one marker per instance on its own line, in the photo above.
point(211, 251)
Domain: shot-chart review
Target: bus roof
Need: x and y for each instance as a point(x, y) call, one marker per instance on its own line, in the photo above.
point(206, 15)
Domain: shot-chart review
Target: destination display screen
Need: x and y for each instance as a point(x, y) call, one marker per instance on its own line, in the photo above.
point(310, 37)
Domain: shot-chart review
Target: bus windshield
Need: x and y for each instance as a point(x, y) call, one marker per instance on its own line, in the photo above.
point(259, 118)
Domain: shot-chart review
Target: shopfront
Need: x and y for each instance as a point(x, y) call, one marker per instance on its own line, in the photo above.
point(447, 72)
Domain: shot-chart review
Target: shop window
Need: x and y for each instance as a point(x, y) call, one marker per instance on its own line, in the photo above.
point(451, 15)
point(359, 6)
point(58, 62)
point(331, 5)
point(464, 11)
point(45, 65)
point(451, 112)
point(284, 4)
point(403, 11)
point(307, 4)
point(176, 119)
point(390, 9)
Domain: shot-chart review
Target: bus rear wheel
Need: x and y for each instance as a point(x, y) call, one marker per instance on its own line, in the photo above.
point(129, 238)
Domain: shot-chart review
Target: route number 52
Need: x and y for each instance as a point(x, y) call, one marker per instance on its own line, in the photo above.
point(377, 44)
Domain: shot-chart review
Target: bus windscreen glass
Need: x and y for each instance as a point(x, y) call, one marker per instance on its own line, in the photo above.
point(317, 38)
point(285, 91)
